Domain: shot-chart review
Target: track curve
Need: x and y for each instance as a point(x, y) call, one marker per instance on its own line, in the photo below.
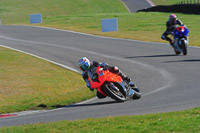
point(168, 82)
point(135, 5)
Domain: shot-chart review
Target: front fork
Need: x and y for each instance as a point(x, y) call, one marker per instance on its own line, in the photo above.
point(129, 90)
point(177, 43)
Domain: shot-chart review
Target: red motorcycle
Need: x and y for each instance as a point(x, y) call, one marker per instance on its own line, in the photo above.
point(112, 85)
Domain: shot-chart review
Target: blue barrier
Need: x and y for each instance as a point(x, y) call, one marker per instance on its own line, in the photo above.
point(35, 18)
point(109, 25)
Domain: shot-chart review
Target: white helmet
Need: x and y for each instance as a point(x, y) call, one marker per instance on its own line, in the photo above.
point(84, 63)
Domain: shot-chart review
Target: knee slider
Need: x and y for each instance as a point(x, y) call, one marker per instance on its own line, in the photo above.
point(163, 37)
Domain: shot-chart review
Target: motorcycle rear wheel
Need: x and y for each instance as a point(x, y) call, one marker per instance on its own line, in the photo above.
point(177, 52)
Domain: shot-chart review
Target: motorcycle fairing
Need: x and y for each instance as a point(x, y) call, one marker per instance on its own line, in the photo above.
point(180, 33)
point(105, 76)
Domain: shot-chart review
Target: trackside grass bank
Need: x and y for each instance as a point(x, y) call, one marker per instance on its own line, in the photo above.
point(29, 83)
point(182, 121)
point(138, 26)
point(85, 16)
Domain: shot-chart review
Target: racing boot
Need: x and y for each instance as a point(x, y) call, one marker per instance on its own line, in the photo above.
point(129, 82)
point(125, 78)
point(133, 86)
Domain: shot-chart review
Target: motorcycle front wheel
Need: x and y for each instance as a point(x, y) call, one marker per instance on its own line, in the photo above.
point(184, 48)
point(114, 92)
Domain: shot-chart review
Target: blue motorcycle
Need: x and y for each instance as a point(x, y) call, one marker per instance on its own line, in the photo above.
point(181, 41)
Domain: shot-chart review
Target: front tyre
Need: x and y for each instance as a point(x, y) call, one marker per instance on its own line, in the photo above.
point(184, 47)
point(114, 92)
point(137, 95)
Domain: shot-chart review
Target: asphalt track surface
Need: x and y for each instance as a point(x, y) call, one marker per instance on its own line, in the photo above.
point(135, 5)
point(167, 82)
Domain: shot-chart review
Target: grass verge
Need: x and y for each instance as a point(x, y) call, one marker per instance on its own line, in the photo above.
point(29, 83)
point(182, 121)
point(145, 26)
point(86, 17)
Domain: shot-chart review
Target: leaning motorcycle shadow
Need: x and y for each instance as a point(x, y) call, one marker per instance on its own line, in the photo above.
point(188, 60)
point(153, 56)
point(98, 103)
point(43, 106)
point(92, 104)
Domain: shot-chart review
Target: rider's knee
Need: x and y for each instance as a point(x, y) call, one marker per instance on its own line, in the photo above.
point(100, 96)
point(163, 37)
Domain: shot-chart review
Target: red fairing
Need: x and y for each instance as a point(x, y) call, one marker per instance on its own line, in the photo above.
point(180, 29)
point(104, 75)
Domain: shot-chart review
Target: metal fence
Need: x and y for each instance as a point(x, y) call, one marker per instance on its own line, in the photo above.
point(189, 2)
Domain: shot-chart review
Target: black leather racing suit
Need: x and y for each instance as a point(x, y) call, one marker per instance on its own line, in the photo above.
point(170, 27)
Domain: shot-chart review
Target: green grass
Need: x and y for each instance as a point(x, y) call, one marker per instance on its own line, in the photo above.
point(17, 12)
point(138, 26)
point(27, 82)
point(86, 17)
point(182, 121)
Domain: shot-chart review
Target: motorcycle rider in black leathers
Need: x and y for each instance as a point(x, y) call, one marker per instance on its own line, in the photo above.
point(171, 25)
point(88, 67)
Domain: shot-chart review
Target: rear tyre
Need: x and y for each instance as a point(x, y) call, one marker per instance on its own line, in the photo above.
point(114, 92)
point(177, 52)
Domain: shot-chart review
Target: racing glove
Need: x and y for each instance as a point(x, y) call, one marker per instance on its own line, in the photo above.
point(89, 85)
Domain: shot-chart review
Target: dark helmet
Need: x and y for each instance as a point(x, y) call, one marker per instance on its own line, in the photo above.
point(172, 18)
point(84, 63)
